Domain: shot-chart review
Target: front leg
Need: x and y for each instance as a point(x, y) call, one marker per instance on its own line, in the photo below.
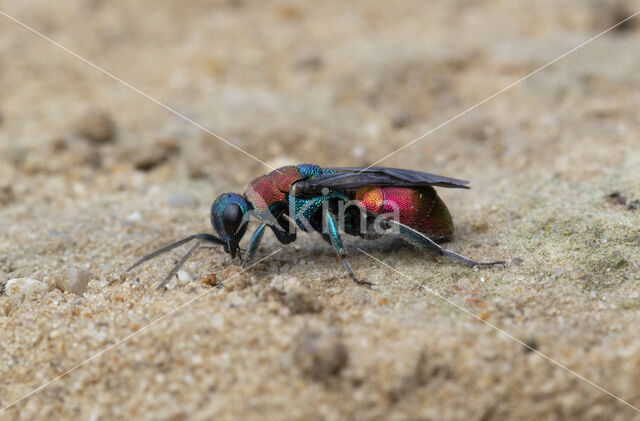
point(334, 236)
point(252, 248)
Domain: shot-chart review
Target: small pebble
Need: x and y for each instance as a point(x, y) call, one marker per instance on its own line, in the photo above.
point(197, 166)
point(74, 279)
point(310, 62)
point(273, 307)
point(478, 129)
point(183, 277)
point(530, 345)
point(615, 13)
point(617, 198)
point(59, 144)
point(234, 278)
point(209, 279)
point(25, 287)
point(320, 355)
point(7, 195)
point(147, 157)
point(576, 274)
point(302, 300)
point(95, 126)
point(134, 216)
point(400, 120)
point(517, 261)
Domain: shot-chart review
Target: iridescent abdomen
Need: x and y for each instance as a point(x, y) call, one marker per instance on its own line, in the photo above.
point(419, 208)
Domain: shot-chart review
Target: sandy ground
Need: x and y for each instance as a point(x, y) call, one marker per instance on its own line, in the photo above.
point(94, 175)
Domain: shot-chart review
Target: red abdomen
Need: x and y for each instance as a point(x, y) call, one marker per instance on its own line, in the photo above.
point(419, 208)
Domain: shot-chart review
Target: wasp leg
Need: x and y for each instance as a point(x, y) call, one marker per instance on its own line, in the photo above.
point(287, 234)
point(334, 236)
point(252, 248)
point(422, 241)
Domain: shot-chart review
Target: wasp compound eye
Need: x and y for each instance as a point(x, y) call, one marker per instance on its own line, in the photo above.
point(232, 218)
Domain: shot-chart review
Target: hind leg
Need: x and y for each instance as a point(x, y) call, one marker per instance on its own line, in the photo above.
point(423, 242)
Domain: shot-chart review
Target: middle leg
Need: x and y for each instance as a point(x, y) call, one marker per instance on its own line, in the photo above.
point(336, 241)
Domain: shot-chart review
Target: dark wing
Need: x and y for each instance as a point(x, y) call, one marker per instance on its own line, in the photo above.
point(356, 177)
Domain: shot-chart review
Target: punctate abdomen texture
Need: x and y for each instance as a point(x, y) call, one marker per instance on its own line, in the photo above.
point(421, 209)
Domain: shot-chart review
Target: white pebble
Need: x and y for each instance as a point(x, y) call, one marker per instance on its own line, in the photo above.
point(183, 277)
point(135, 216)
point(291, 284)
point(25, 287)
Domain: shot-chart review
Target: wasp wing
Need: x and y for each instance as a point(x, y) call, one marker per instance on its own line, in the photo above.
point(356, 177)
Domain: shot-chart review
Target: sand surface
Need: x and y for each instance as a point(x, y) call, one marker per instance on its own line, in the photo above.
point(94, 175)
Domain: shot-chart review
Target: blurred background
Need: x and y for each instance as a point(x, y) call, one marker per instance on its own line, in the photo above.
point(328, 83)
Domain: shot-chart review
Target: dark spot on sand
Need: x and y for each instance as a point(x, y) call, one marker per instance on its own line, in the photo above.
point(320, 355)
point(530, 345)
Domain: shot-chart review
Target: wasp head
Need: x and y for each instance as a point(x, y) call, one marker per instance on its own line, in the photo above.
point(229, 217)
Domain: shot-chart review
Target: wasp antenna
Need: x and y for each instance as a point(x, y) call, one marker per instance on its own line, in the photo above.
point(178, 265)
point(205, 237)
